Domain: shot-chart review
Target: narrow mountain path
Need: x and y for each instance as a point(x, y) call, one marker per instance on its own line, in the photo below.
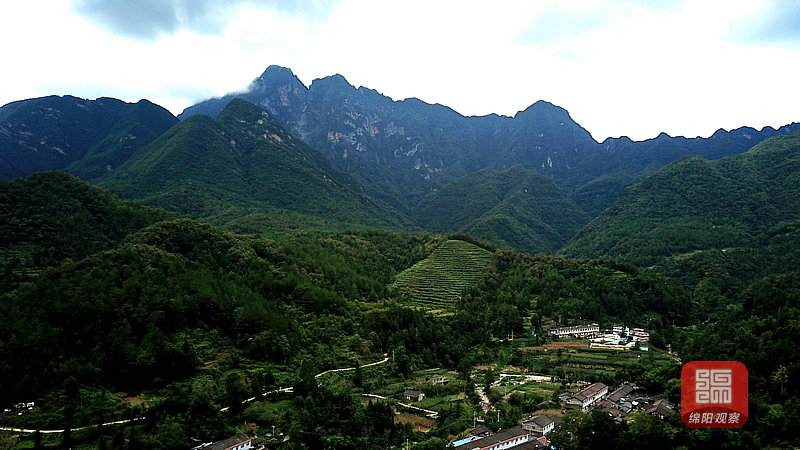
point(225, 409)
point(385, 359)
point(428, 412)
point(87, 427)
point(291, 389)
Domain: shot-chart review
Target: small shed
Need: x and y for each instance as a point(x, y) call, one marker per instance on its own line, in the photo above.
point(414, 396)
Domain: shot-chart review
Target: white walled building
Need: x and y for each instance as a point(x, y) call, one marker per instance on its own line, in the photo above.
point(577, 330)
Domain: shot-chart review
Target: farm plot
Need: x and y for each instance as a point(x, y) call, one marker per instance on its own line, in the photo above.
point(573, 358)
point(437, 282)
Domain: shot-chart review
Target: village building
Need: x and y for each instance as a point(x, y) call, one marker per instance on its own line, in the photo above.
point(612, 346)
point(480, 431)
point(640, 335)
point(620, 393)
point(463, 443)
point(661, 408)
point(540, 425)
point(438, 380)
point(534, 444)
point(238, 442)
point(587, 397)
point(577, 331)
point(531, 435)
point(636, 334)
point(611, 408)
point(540, 442)
point(415, 396)
point(502, 440)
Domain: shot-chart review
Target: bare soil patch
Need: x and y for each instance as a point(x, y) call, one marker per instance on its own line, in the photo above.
point(418, 423)
point(130, 399)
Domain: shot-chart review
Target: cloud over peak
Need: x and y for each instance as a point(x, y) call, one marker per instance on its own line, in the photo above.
point(150, 19)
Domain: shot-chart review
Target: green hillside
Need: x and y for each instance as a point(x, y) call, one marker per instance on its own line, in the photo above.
point(696, 204)
point(439, 280)
point(177, 320)
point(401, 151)
point(760, 332)
point(84, 137)
point(518, 208)
point(244, 163)
point(150, 310)
point(51, 216)
point(714, 224)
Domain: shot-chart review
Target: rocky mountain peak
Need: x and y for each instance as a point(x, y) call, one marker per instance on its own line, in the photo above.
point(275, 76)
point(331, 84)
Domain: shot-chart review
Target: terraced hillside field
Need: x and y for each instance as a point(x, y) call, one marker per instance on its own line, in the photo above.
point(438, 281)
point(574, 360)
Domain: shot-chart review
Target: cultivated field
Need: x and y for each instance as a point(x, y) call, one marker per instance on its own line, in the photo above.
point(437, 282)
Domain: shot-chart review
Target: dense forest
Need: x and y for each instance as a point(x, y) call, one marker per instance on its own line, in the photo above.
point(196, 318)
point(192, 329)
point(716, 226)
point(51, 216)
point(188, 312)
point(518, 208)
point(242, 163)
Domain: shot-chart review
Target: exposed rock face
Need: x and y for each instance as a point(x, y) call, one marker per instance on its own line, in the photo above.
point(404, 151)
point(84, 137)
point(240, 163)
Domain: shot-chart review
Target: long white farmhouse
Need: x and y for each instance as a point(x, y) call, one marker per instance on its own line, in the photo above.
point(587, 397)
point(577, 330)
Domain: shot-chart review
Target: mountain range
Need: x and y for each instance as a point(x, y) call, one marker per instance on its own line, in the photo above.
point(197, 328)
point(404, 151)
point(84, 137)
point(333, 155)
point(240, 164)
point(725, 203)
point(713, 224)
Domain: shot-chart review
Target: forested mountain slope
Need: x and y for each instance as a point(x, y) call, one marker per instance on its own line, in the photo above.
point(84, 137)
point(51, 216)
point(519, 208)
point(403, 150)
point(726, 220)
point(194, 318)
point(244, 163)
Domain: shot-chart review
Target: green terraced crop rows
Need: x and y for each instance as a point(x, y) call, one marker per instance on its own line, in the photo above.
point(438, 281)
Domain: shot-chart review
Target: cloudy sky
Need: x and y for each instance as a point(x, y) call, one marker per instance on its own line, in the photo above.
point(620, 67)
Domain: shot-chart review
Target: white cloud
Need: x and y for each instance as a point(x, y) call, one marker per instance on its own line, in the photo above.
point(685, 67)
